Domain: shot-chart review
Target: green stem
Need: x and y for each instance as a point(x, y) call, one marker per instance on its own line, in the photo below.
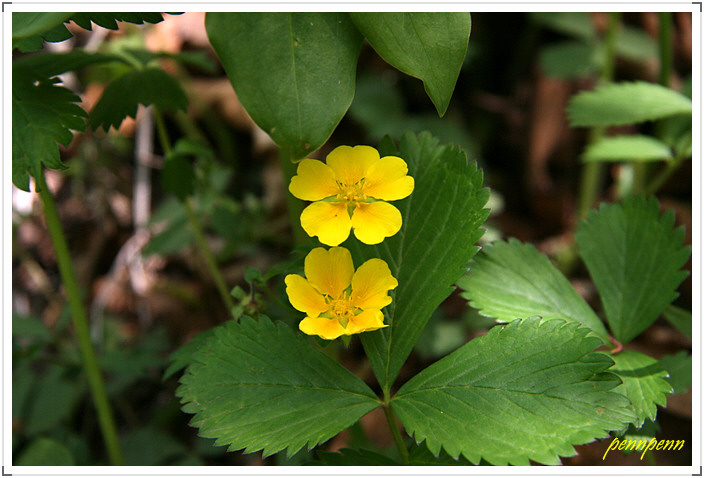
point(80, 324)
point(193, 220)
point(593, 172)
point(396, 432)
point(295, 205)
point(664, 175)
point(665, 47)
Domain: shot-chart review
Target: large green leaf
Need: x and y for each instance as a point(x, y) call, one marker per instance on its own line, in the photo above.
point(258, 386)
point(628, 148)
point(143, 86)
point(679, 318)
point(293, 72)
point(441, 221)
point(635, 258)
point(43, 115)
point(626, 103)
point(643, 384)
point(429, 46)
point(508, 280)
point(679, 369)
point(528, 391)
point(27, 24)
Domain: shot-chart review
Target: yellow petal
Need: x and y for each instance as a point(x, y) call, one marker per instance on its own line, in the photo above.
point(365, 322)
point(351, 164)
point(327, 220)
point(329, 329)
point(372, 222)
point(370, 285)
point(314, 181)
point(386, 179)
point(329, 271)
point(303, 296)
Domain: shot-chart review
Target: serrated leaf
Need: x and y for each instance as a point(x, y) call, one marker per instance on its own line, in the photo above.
point(182, 357)
point(428, 46)
point(527, 391)
point(618, 104)
point(27, 24)
point(421, 456)
point(507, 280)
point(441, 221)
point(628, 148)
point(146, 87)
point(45, 452)
point(293, 72)
point(679, 318)
point(643, 383)
point(635, 258)
point(109, 20)
point(679, 368)
point(43, 115)
point(569, 59)
point(350, 457)
point(259, 386)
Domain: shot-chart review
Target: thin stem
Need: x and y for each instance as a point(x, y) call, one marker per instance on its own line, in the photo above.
point(665, 47)
point(194, 221)
point(295, 205)
point(664, 175)
point(396, 432)
point(80, 324)
point(593, 172)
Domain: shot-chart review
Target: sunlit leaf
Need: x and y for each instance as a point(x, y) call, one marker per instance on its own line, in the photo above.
point(628, 148)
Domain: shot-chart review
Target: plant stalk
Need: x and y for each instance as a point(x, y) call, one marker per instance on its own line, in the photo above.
point(593, 172)
point(80, 324)
point(396, 432)
point(665, 47)
point(194, 221)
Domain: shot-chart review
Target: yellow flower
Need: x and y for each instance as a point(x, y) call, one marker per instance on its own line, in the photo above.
point(336, 299)
point(349, 192)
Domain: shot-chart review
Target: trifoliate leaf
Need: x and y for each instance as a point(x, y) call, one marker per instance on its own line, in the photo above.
point(441, 221)
point(429, 46)
point(146, 87)
point(293, 72)
point(626, 103)
point(350, 457)
point(529, 391)
point(635, 258)
point(628, 148)
point(259, 386)
point(679, 368)
point(643, 384)
point(43, 115)
point(679, 318)
point(507, 280)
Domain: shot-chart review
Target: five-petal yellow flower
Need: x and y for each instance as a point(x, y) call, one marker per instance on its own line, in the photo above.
point(336, 299)
point(349, 192)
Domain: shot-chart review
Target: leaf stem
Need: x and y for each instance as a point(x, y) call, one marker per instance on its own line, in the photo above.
point(665, 47)
point(396, 432)
point(194, 221)
point(664, 175)
point(593, 171)
point(80, 324)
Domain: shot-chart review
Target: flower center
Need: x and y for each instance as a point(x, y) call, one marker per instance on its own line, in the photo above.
point(340, 309)
point(352, 192)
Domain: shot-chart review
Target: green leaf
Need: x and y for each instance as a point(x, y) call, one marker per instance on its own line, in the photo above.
point(350, 457)
point(427, 46)
point(643, 383)
point(421, 456)
point(45, 452)
point(178, 177)
point(109, 20)
point(258, 386)
point(679, 318)
point(628, 148)
point(569, 59)
point(293, 72)
point(150, 446)
point(626, 103)
point(175, 237)
point(46, 64)
point(30, 24)
point(51, 401)
point(441, 221)
point(635, 44)
point(679, 368)
point(635, 258)
point(527, 391)
point(182, 357)
point(145, 86)
point(574, 24)
point(43, 114)
point(508, 280)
